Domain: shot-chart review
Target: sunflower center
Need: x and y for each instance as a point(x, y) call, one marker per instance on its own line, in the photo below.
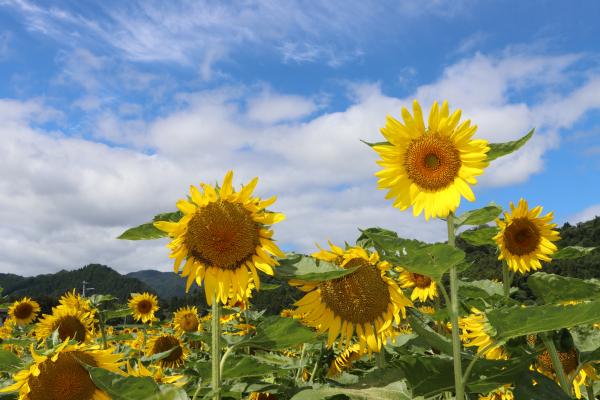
point(189, 323)
point(223, 235)
point(166, 343)
point(521, 236)
point(23, 311)
point(70, 327)
point(359, 297)
point(63, 379)
point(144, 306)
point(421, 281)
point(568, 359)
point(432, 161)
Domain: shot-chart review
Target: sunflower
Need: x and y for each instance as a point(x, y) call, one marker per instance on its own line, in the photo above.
point(223, 237)
point(424, 287)
point(501, 393)
point(365, 301)
point(24, 311)
point(262, 396)
point(166, 342)
point(156, 373)
point(186, 320)
point(60, 375)
point(525, 238)
point(475, 332)
point(143, 306)
point(72, 300)
point(430, 168)
point(344, 360)
point(70, 322)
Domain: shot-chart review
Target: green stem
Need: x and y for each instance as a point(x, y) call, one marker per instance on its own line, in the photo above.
point(102, 330)
point(197, 389)
point(473, 361)
point(381, 358)
point(506, 279)
point(301, 367)
point(224, 358)
point(590, 391)
point(458, 381)
point(216, 348)
point(556, 364)
point(314, 371)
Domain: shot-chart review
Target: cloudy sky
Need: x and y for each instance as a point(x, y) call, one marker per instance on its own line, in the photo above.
point(110, 110)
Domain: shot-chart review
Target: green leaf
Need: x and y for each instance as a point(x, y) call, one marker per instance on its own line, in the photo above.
point(111, 314)
point(394, 391)
point(269, 286)
point(520, 321)
point(9, 362)
point(120, 387)
point(376, 143)
point(386, 242)
point(159, 356)
point(431, 260)
point(275, 333)
point(480, 289)
point(481, 236)
point(480, 216)
point(170, 392)
point(587, 341)
point(101, 298)
point(148, 231)
point(498, 150)
point(571, 252)
point(543, 389)
point(434, 339)
point(552, 289)
point(305, 268)
point(245, 366)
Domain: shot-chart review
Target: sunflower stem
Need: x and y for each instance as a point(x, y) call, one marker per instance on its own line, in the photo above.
point(458, 377)
point(216, 348)
point(381, 358)
point(224, 358)
point(506, 280)
point(556, 364)
point(314, 371)
point(301, 367)
point(590, 391)
point(102, 329)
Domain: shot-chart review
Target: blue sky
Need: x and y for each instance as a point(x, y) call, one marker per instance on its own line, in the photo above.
point(111, 109)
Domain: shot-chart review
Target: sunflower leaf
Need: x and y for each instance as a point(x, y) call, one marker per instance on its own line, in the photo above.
point(481, 236)
point(498, 150)
point(519, 321)
point(306, 268)
point(431, 260)
point(9, 362)
point(571, 252)
point(434, 339)
point(159, 356)
point(275, 333)
point(480, 216)
point(120, 387)
point(386, 242)
point(375, 143)
point(534, 386)
point(148, 231)
point(111, 314)
point(553, 289)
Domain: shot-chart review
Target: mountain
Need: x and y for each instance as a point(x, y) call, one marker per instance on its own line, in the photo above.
point(165, 284)
point(101, 278)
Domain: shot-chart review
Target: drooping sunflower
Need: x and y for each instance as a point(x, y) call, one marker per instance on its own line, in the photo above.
point(476, 332)
point(344, 360)
point(224, 237)
point(366, 302)
point(431, 167)
point(60, 375)
point(186, 319)
point(424, 287)
point(525, 238)
point(166, 342)
point(143, 306)
point(70, 322)
point(24, 311)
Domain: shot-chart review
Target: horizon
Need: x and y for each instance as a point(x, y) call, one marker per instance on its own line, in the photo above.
point(110, 111)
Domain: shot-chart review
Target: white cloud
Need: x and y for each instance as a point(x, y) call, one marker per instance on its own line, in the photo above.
point(585, 215)
point(272, 108)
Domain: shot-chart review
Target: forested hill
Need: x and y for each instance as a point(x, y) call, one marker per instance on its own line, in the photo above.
point(103, 279)
point(587, 234)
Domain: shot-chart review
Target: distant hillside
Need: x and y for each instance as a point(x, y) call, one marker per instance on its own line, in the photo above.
point(165, 284)
point(103, 279)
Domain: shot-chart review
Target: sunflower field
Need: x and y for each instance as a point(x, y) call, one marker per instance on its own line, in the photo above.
point(378, 317)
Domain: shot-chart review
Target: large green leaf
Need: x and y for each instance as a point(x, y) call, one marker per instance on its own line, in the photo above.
point(551, 288)
point(543, 388)
point(394, 391)
point(246, 366)
point(170, 392)
point(9, 362)
point(120, 387)
point(305, 268)
point(481, 236)
point(434, 339)
point(480, 289)
point(519, 321)
point(275, 333)
point(571, 252)
point(111, 314)
point(148, 231)
point(498, 150)
point(386, 242)
point(480, 216)
point(587, 341)
point(431, 260)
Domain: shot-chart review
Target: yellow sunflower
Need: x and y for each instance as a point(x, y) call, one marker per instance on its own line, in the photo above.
point(424, 287)
point(430, 168)
point(365, 301)
point(143, 306)
point(166, 342)
point(223, 237)
point(60, 375)
point(186, 320)
point(72, 300)
point(156, 373)
point(475, 332)
point(501, 393)
point(24, 311)
point(344, 360)
point(525, 238)
point(70, 322)
point(262, 396)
